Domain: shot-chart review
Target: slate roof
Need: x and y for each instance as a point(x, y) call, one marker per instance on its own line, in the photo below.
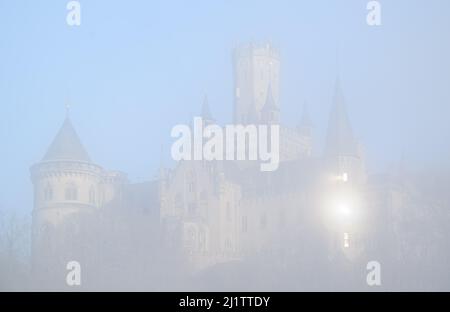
point(66, 145)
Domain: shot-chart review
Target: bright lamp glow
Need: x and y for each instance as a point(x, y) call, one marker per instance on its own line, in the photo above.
point(345, 177)
point(346, 240)
point(344, 210)
point(341, 209)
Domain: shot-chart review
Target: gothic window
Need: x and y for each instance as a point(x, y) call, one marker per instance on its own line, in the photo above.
point(201, 240)
point(71, 192)
point(346, 240)
point(92, 195)
point(191, 187)
point(190, 239)
point(48, 193)
point(228, 244)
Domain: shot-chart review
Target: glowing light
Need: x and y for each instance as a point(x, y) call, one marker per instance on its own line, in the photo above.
point(345, 177)
point(344, 210)
point(346, 240)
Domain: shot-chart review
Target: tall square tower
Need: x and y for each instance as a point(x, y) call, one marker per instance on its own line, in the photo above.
point(255, 67)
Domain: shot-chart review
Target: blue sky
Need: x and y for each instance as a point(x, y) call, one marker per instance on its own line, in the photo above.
point(134, 69)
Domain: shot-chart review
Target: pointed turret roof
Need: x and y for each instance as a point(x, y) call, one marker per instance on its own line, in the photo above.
point(270, 101)
point(340, 140)
point(206, 113)
point(66, 145)
point(305, 121)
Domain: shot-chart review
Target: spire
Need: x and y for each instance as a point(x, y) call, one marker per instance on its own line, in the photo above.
point(305, 125)
point(206, 113)
point(270, 102)
point(66, 145)
point(340, 140)
point(67, 105)
point(338, 69)
point(305, 121)
point(270, 111)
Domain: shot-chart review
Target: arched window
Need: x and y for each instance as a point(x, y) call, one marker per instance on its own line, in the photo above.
point(92, 195)
point(244, 224)
point(190, 239)
point(71, 192)
point(48, 193)
point(191, 187)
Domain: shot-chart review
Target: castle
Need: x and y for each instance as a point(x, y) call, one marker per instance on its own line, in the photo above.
point(205, 213)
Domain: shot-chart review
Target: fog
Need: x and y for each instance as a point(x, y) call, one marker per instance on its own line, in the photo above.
point(225, 146)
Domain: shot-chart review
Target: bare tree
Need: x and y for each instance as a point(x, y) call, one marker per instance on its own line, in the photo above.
point(15, 238)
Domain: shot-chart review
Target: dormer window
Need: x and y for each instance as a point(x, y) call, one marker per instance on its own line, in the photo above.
point(48, 193)
point(92, 195)
point(71, 192)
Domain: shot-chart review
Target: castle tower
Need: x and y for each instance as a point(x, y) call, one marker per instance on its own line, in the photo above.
point(345, 165)
point(343, 153)
point(66, 186)
point(255, 68)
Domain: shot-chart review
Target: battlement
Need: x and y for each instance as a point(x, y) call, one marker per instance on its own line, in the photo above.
point(256, 49)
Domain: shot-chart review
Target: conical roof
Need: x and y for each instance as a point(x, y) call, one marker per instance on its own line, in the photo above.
point(206, 112)
point(66, 145)
point(340, 140)
point(305, 121)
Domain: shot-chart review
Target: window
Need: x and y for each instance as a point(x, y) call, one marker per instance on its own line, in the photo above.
point(346, 240)
point(345, 177)
point(71, 192)
point(92, 195)
point(48, 193)
point(190, 239)
point(228, 244)
point(244, 224)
